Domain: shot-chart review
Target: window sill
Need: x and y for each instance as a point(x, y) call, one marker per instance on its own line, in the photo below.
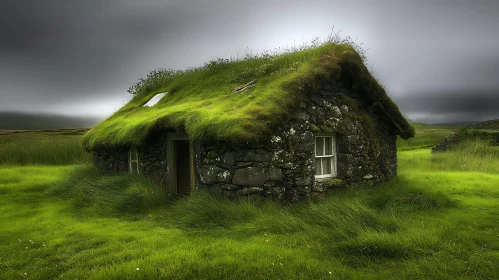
point(324, 176)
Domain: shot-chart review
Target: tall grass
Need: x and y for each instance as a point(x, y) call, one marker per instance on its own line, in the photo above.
point(75, 222)
point(31, 147)
point(470, 155)
point(93, 193)
point(437, 219)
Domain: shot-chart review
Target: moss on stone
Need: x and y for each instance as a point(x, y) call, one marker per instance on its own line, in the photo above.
point(315, 129)
point(334, 183)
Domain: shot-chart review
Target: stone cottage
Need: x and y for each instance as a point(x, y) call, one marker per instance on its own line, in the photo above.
point(285, 127)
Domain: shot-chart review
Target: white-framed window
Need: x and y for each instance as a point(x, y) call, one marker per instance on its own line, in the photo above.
point(325, 156)
point(133, 160)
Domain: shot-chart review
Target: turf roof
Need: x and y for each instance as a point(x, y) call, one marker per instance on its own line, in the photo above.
point(204, 104)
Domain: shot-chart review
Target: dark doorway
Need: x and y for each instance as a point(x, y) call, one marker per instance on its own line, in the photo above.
point(183, 167)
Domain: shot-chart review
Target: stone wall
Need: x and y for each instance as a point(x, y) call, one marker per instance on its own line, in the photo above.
point(112, 160)
point(366, 150)
point(283, 166)
point(152, 158)
point(447, 142)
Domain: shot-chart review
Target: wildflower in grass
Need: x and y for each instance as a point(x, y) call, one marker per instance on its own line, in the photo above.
point(137, 269)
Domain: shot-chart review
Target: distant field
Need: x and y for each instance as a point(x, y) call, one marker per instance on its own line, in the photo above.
point(40, 121)
point(54, 147)
point(427, 136)
point(437, 219)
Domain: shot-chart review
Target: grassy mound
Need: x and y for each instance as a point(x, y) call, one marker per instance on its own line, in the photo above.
point(203, 102)
point(93, 193)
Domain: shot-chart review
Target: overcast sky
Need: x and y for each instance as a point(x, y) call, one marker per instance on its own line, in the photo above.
point(439, 60)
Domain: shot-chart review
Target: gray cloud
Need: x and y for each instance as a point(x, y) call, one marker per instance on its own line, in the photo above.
point(79, 57)
point(444, 106)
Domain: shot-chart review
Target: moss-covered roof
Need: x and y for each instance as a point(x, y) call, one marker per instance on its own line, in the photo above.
point(204, 103)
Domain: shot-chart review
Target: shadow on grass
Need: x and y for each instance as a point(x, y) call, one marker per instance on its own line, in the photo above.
point(400, 195)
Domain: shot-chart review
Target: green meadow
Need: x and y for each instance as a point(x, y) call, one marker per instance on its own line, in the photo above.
point(49, 147)
point(62, 219)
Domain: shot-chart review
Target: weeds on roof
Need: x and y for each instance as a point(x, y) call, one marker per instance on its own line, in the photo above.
point(202, 101)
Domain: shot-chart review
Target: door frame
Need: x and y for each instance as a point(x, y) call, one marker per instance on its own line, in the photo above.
point(171, 155)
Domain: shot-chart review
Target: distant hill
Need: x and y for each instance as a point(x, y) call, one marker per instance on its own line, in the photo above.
point(472, 123)
point(28, 121)
point(490, 124)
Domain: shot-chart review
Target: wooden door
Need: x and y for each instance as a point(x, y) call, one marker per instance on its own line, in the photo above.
point(183, 167)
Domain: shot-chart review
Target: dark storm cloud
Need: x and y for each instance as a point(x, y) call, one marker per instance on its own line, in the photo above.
point(79, 57)
point(70, 44)
point(435, 107)
point(70, 51)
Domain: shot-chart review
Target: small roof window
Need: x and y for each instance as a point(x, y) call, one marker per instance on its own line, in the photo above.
point(155, 99)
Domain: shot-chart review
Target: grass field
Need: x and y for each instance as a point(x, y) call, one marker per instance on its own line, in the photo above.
point(438, 219)
point(53, 147)
point(427, 137)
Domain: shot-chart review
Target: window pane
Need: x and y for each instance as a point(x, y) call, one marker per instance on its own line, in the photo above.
point(326, 165)
point(318, 166)
point(319, 146)
point(135, 167)
point(329, 145)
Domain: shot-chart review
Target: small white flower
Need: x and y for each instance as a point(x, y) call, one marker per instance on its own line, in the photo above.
point(330, 272)
point(137, 268)
point(26, 247)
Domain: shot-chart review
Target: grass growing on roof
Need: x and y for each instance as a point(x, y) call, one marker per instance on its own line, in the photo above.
point(202, 100)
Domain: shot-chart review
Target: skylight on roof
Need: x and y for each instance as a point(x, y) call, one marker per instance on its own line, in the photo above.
point(155, 99)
